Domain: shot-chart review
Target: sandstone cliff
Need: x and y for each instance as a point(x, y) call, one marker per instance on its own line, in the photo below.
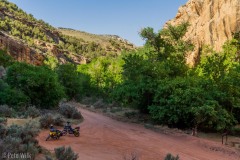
point(19, 51)
point(212, 22)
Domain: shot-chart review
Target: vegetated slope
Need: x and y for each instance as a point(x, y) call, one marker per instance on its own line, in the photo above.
point(28, 39)
point(111, 43)
point(212, 22)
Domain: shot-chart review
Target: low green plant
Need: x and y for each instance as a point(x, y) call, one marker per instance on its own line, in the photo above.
point(3, 120)
point(46, 120)
point(69, 111)
point(58, 120)
point(63, 153)
point(20, 139)
point(130, 114)
point(32, 112)
point(171, 157)
point(6, 111)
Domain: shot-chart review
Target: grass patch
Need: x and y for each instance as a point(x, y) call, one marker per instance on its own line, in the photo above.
point(18, 121)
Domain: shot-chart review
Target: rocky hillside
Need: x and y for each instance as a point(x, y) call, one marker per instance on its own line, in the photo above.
point(33, 41)
point(212, 22)
point(111, 43)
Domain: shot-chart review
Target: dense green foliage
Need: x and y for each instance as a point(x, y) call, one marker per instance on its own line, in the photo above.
point(5, 60)
point(40, 84)
point(104, 74)
point(74, 83)
point(143, 70)
point(12, 96)
point(157, 81)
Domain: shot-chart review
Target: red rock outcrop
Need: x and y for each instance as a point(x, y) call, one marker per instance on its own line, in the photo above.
point(20, 51)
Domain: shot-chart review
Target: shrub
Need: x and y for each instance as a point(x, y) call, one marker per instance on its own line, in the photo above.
point(69, 111)
point(3, 120)
point(31, 129)
point(19, 139)
point(32, 112)
point(6, 111)
point(58, 120)
point(63, 153)
point(171, 157)
point(46, 120)
point(130, 114)
point(3, 131)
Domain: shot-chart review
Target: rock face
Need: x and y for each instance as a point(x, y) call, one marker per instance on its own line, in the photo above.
point(212, 22)
point(23, 53)
point(20, 51)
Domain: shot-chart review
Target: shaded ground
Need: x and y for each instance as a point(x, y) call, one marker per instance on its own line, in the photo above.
point(103, 138)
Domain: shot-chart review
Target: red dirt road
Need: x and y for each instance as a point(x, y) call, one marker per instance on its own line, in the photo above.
point(103, 138)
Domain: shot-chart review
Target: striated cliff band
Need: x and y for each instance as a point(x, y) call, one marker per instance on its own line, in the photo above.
point(212, 22)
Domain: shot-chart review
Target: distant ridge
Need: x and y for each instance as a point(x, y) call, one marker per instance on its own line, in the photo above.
point(33, 41)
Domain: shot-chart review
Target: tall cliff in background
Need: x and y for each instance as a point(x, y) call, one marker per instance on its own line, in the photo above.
point(212, 22)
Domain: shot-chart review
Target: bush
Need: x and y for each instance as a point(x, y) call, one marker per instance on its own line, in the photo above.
point(58, 120)
point(235, 131)
point(130, 114)
point(47, 119)
point(6, 111)
point(32, 112)
point(17, 139)
point(63, 153)
point(69, 111)
point(31, 128)
point(3, 120)
point(171, 157)
point(3, 131)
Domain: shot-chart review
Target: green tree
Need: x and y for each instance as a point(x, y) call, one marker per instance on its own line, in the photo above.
point(5, 59)
point(12, 97)
point(51, 61)
point(190, 102)
point(39, 83)
point(74, 82)
point(143, 69)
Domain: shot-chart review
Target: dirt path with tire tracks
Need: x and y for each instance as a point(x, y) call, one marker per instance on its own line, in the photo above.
point(103, 138)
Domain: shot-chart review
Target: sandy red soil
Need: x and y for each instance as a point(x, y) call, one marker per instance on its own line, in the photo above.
point(103, 138)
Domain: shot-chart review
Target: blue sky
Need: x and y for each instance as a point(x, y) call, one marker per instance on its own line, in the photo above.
point(120, 17)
